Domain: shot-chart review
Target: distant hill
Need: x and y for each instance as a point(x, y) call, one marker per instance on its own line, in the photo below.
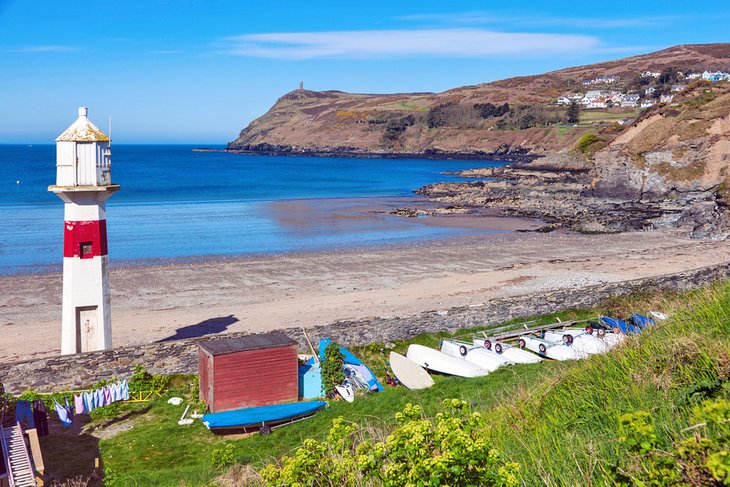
point(461, 120)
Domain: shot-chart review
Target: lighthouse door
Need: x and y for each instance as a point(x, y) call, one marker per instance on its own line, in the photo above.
point(86, 329)
point(86, 164)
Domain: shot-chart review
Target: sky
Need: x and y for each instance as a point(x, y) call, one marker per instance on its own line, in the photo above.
point(199, 71)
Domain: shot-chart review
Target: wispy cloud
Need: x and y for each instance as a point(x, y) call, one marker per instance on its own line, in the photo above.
point(532, 20)
point(45, 48)
point(405, 43)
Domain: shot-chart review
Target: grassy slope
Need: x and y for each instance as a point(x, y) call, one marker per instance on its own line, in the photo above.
point(559, 420)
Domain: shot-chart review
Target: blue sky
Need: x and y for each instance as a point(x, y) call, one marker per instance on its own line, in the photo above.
point(199, 71)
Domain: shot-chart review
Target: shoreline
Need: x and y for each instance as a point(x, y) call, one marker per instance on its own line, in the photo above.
point(520, 156)
point(256, 294)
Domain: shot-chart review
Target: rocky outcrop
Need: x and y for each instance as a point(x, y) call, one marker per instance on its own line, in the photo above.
point(670, 169)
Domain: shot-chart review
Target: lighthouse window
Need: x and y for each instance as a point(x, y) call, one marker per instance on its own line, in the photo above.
point(85, 250)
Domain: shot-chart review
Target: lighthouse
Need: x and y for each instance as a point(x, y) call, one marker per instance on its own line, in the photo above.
point(84, 183)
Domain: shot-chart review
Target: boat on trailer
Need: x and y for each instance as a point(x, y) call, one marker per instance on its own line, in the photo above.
point(547, 349)
point(261, 418)
point(578, 339)
point(440, 362)
point(480, 356)
point(513, 354)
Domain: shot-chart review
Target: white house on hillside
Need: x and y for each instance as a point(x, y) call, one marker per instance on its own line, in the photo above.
point(630, 100)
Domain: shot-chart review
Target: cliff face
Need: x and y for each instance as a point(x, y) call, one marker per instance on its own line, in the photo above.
point(677, 157)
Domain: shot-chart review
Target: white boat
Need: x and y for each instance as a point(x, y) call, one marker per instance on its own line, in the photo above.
point(578, 339)
point(440, 362)
point(547, 349)
point(589, 340)
point(345, 390)
point(511, 353)
point(409, 373)
point(486, 359)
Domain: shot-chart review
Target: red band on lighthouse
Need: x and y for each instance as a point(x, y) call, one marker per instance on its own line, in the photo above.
point(84, 239)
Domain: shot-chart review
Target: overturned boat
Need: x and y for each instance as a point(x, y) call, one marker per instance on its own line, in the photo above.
point(486, 359)
point(547, 349)
point(261, 418)
point(445, 364)
point(510, 352)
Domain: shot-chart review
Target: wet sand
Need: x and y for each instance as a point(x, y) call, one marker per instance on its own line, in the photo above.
point(185, 299)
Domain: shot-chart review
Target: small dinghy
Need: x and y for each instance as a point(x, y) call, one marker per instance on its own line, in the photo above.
point(485, 359)
point(578, 339)
point(409, 373)
point(511, 353)
point(546, 349)
point(440, 362)
point(263, 417)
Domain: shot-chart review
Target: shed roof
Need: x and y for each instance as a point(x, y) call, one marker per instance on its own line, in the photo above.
point(82, 130)
point(223, 346)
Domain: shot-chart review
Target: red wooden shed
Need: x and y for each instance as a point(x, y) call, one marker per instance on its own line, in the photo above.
point(249, 371)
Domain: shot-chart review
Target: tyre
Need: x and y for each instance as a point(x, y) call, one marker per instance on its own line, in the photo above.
point(462, 351)
point(521, 343)
point(498, 348)
point(542, 348)
point(265, 430)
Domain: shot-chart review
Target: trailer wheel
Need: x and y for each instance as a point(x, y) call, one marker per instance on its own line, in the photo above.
point(601, 332)
point(589, 330)
point(542, 348)
point(498, 348)
point(462, 350)
point(568, 339)
point(487, 344)
point(265, 430)
point(521, 343)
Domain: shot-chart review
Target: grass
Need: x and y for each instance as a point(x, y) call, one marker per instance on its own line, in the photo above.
point(558, 420)
point(592, 116)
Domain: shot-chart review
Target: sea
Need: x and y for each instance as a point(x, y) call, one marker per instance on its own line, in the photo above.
point(178, 204)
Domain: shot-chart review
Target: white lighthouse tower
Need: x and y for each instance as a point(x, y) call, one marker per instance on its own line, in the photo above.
point(83, 182)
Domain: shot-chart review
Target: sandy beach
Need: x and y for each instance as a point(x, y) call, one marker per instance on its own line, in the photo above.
point(186, 299)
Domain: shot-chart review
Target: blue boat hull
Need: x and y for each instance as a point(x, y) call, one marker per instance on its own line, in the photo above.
point(262, 415)
point(621, 325)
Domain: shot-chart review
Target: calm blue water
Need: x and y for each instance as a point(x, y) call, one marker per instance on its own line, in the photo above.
point(175, 203)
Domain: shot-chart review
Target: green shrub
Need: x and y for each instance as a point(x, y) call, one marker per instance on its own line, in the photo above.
point(586, 141)
point(142, 380)
point(333, 373)
point(450, 449)
point(698, 455)
point(223, 457)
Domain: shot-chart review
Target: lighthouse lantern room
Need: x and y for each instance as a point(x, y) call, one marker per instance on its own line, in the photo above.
point(83, 182)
